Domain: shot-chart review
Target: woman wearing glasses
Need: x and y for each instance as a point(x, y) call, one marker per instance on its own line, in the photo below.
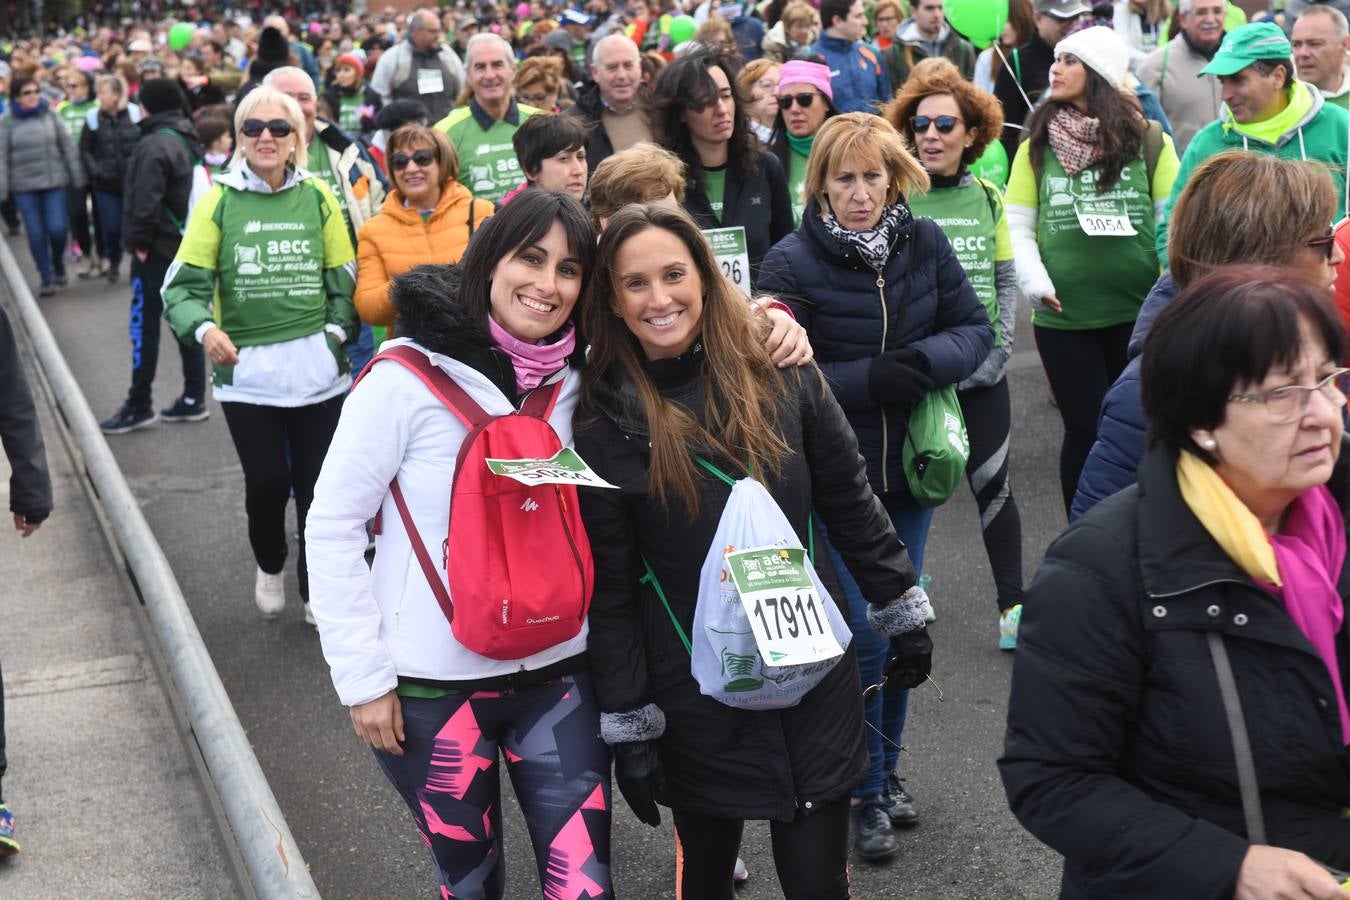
point(38, 166)
point(1195, 623)
point(263, 281)
point(1236, 208)
point(427, 217)
point(1086, 189)
point(804, 101)
point(949, 123)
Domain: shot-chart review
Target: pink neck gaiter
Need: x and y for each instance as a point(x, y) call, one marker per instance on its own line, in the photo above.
point(533, 362)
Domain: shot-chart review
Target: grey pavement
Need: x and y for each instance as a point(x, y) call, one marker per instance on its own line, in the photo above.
point(352, 827)
point(105, 801)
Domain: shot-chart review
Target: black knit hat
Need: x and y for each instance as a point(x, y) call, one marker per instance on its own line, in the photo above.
point(273, 47)
point(162, 95)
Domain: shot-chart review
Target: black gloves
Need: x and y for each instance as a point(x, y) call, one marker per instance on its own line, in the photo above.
point(899, 378)
point(913, 659)
point(637, 769)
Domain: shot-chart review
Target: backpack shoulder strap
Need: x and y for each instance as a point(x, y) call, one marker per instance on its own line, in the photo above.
point(1153, 144)
point(442, 386)
point(539, 402)
point(434, 580)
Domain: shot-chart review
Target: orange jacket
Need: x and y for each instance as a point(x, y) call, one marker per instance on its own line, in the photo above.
point(397, 239)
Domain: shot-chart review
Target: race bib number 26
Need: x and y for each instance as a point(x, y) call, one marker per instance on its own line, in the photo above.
point(728, 245)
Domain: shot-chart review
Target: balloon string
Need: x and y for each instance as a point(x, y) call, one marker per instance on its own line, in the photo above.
point(1016, 81)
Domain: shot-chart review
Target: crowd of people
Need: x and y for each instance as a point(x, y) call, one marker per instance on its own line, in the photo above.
point(617, 358)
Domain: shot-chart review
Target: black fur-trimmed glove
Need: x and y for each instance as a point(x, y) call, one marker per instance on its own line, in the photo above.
point(902, 620)
point(637, 765)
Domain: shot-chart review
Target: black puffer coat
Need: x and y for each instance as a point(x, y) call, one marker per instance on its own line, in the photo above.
point(105, 147)
point(722, 761)
point(852, 313)
point(1118, 753)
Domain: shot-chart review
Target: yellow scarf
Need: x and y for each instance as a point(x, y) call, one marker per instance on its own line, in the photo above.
point(1227, 519)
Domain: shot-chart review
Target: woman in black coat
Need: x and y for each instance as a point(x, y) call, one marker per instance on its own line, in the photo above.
point(106, 143)
point(1120, 752)
point(730, 180)
point(677, 367)
point(891, 316)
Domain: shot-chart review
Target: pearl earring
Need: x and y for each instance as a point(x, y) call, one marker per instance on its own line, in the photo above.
point(1209, 443)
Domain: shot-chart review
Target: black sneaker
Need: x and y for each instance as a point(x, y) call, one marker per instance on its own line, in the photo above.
point(128, 418)
point(47, 289)
point(899, 803)
point(186, 409)
point(61, 280)
point(872, 835)
point(112, 274)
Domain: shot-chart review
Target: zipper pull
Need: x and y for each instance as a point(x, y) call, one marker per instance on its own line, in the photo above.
point(445, 553)
point(881, 282)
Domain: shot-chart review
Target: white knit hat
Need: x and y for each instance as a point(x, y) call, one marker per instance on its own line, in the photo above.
point(1100, 49)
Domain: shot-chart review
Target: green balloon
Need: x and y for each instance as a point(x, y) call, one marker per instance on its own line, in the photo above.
point(992, 165)
point(682, 29)
point(180, 35)
point(981, 21)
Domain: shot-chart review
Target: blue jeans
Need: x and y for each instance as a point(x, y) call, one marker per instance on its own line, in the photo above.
point(109, 205)
point(886, 711)
point(360, 351)
point(44, 218)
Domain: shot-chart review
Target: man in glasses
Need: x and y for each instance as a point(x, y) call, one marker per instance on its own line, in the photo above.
point(926, 34)
point(1190, 99)
point(1266, 110)
point(421, 67)
point(611, 104)
point(159, 179)
point(1029, 65)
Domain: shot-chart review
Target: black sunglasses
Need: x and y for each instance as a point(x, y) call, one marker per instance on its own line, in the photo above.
point(1326, 243)
point(804, 100)
point(424, 158)
point(280, 128)
point(944, 124)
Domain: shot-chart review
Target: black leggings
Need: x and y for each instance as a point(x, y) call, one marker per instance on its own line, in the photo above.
point(988, 415)
point(1080, 366)
point(810, 854)
point(77, 208)
point(281, 450)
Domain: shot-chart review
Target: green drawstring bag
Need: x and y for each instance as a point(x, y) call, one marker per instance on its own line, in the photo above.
point(936, 447)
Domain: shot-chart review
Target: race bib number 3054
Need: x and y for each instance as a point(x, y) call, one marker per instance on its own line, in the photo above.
point(786, 614)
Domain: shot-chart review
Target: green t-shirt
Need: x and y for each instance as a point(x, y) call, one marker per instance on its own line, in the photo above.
point(796, 183)
point(714, 188)
point(348, 112)
point(1341, 100)
point(972, 218)
point(74, 115)
point(487, 159)
point(1101, 280)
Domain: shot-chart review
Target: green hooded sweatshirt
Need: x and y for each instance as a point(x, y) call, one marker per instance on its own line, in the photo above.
point(1321, 133)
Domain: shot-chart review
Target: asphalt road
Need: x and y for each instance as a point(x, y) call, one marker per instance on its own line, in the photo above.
point(351, 826)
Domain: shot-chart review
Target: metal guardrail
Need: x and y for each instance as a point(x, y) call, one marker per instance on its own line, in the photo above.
point(275, 866)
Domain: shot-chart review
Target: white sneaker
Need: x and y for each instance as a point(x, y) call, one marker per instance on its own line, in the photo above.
point(269, 593)
point(740, 874)
point(309, 617)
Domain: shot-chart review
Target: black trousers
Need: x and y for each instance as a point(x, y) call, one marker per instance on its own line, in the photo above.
point(1080, 366)
point(281, 450)
point(4, 763)
point(988, 415)
point(143, 326)
point(810, 854)
point(77, 209)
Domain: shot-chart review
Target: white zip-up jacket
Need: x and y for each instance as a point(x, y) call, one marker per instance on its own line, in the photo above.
point(381, 622)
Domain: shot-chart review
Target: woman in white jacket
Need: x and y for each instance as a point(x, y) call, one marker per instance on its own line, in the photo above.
point(436, 713)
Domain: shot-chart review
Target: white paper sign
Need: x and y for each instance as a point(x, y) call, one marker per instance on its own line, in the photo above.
point(785, 613)
point(430, 81)
point(728, 245)
point(564, 467)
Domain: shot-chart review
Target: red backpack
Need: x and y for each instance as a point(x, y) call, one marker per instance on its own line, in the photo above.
point(516, 558)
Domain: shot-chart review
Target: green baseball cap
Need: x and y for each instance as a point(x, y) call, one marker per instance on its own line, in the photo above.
point(1243, 46)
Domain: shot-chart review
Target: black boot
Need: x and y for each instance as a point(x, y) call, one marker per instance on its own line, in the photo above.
point(872, 834)
point(900, 805)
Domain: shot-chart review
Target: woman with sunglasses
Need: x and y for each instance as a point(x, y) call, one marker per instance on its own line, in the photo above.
point(1237, 208)
point(733, 182)
point(804, 101)
point(949, 122)
point(892, 315)
point(39, 165)
point(1085, 192)
point(428, 216)
point(263, 281)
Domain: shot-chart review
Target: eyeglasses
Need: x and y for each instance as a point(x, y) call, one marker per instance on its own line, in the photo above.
point(279, 128)
point(804, 100)
point(880, 19)
point(399, 161)
point(1326, 243)
point(1287, 404)
point(29, 92)
point(540, 100)
point(944, 124)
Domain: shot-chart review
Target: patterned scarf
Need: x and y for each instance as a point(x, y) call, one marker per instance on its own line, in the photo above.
point(875, 243)
point(1073, 137)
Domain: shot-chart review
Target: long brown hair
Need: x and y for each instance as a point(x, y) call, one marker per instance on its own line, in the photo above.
point(1121, 132)
point(742, 390)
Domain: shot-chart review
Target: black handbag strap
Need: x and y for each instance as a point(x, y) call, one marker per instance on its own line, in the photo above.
point(1242, 747)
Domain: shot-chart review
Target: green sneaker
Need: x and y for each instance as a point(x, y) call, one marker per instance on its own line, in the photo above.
point(1008, 622)
point(8, 846)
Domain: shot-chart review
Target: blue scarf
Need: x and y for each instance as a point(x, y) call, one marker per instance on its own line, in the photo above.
point(19, 112)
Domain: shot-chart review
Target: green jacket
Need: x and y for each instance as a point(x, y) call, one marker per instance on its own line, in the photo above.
point(1321, 135)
